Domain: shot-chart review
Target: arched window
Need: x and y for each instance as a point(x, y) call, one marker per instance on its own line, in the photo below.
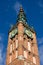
point(34, 60)
point(29, 46)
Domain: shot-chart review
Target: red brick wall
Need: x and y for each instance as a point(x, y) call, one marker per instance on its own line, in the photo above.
point(22, 45)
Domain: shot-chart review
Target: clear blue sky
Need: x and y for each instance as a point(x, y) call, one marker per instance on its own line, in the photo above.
point(8, 15)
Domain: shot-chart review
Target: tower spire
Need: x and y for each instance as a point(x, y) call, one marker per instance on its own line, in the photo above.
point(21, 9)
point(21, 16)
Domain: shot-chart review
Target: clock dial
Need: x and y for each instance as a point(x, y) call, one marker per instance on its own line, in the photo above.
point(12, 34)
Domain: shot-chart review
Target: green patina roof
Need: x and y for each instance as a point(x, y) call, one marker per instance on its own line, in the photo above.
point(21, 18)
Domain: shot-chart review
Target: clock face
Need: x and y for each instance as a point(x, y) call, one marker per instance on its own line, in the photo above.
point(12, 34)
point(28, 32)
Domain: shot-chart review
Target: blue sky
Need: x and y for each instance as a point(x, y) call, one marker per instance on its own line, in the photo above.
point(8, 15)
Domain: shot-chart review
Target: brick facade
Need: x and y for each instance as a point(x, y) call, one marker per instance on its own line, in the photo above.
point(21, 49)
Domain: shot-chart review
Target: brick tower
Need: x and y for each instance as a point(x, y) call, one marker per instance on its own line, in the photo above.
point(22, 44)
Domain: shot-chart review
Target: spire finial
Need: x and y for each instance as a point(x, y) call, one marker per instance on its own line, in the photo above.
point(20, 6)
point(21, 9)
point(21, 16)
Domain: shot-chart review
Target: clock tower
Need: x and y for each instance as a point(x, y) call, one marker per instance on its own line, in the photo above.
point(22, 46)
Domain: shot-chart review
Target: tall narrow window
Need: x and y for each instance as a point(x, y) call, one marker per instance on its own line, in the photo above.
point(25, 54)
point(11, 48)
point(16, 43)
point(16, 53)
point(29, 46)
point(10, 58)
point(34, 60)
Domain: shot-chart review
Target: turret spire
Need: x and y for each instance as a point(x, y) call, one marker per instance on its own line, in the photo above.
point(21, 16)
point(21, 9)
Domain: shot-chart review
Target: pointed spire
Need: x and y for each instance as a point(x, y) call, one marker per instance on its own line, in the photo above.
point(21, 9)
point(21, 16)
